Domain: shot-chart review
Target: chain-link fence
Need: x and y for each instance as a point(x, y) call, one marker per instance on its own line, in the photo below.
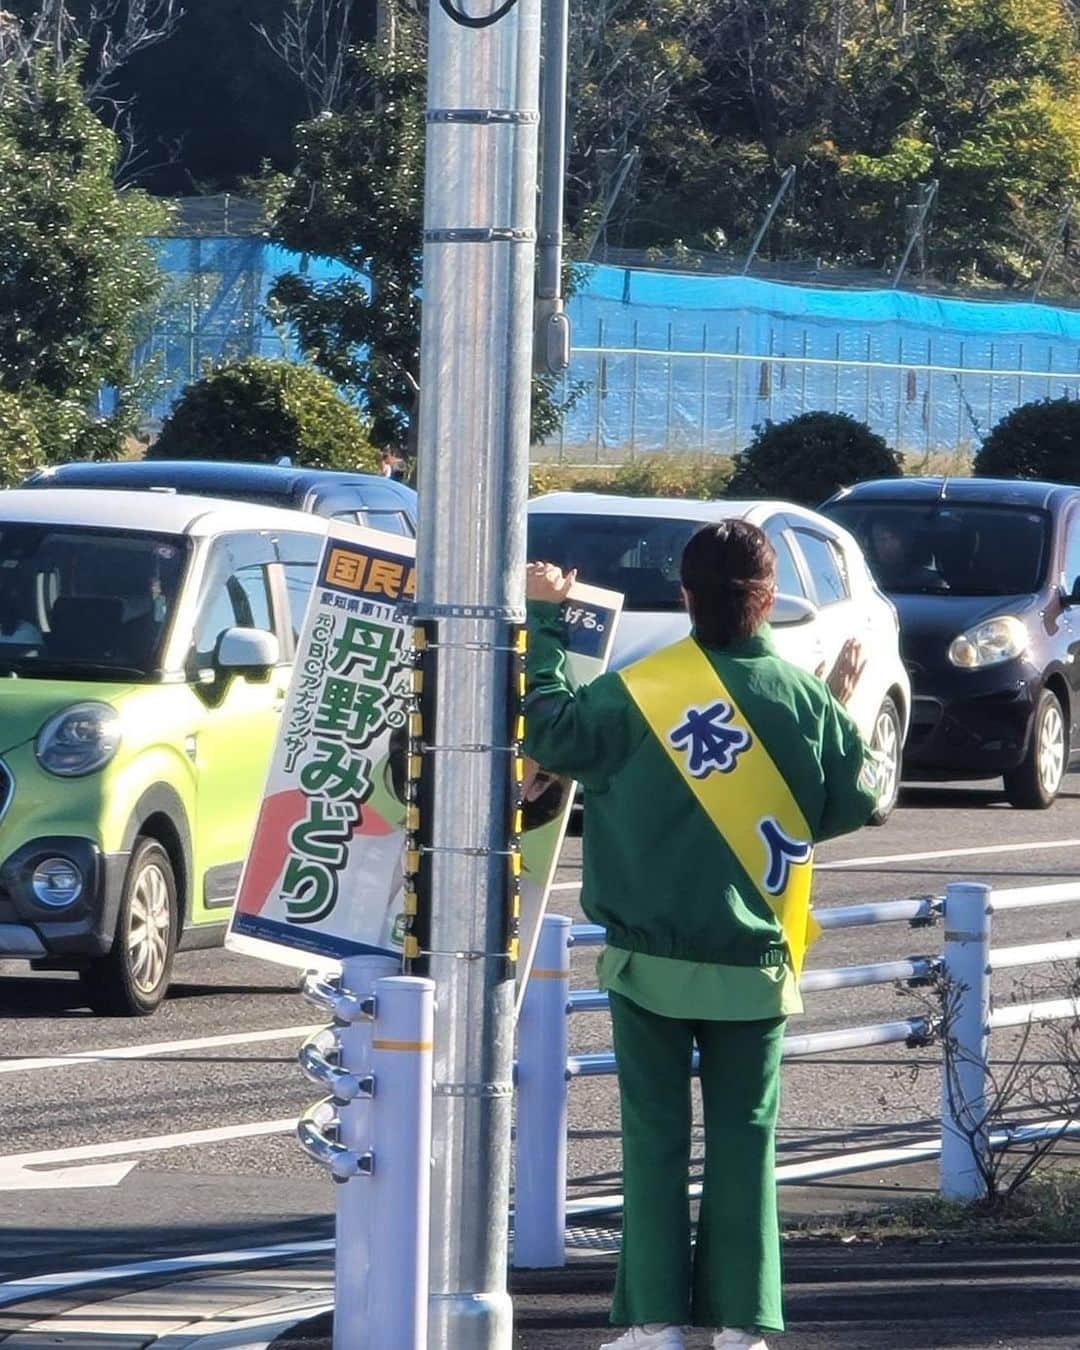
point(669, 362)
point(691, 365)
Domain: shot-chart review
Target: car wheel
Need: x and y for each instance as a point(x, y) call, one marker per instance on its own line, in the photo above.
point(131, 981)
point(888, 742)
point(1035, 784)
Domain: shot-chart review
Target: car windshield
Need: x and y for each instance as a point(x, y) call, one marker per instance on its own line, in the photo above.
point(79, 603)
point(632, 554)
point(949, 548)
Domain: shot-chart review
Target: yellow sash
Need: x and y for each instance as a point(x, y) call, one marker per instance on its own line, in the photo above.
point(731, 774)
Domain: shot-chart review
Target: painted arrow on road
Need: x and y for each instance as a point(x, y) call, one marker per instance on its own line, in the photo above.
point(14, 1177)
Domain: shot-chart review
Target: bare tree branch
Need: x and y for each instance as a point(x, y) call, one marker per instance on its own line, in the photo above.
point(314, 43)
point(110, 35)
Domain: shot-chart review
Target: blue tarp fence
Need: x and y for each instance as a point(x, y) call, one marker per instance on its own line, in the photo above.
point(669, 362)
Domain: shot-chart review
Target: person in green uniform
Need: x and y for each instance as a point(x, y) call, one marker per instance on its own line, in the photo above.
point(697, 840)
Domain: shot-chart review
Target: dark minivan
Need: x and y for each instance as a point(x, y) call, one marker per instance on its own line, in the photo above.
point(985, 576)
point(360, 498)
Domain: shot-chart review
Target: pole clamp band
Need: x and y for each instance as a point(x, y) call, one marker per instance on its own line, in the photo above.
point(489, 234)
point(482, 1091)
point(485, 116)
point(507, 613)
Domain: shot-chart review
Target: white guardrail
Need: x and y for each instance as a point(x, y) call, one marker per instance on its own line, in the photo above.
point(373, 1131)
point(545, 1068)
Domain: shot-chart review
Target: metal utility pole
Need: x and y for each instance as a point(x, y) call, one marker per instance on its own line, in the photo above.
point(552, 325)
point(476, 359)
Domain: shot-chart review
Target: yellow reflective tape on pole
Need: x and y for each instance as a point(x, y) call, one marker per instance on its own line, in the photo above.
point(733, 779)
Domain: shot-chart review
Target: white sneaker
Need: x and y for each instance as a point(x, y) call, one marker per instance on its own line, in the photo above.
point(651, 1336)
point(727, 1339)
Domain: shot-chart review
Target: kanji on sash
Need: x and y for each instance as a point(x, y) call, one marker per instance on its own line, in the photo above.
point(710, 743)
point(781, 853)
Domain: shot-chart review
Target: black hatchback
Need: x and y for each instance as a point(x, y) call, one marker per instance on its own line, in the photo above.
point(985, 576)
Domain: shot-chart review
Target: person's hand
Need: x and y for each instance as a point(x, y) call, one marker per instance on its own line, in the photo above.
point(846, 672)
point(544, 581)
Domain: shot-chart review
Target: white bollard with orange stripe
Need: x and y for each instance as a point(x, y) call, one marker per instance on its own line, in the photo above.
point(353, 1233)
point(400, 1181)
point(543, 1045)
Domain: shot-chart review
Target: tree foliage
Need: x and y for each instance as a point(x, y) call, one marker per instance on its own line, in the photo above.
point(357, 195)
point(869, 102)
point(261, 412)
point(808, 458)
point(1038, 440)
point(76, 277)
point(20, 445)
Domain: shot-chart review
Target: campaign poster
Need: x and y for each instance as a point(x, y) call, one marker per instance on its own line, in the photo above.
point(591, 615)
point(324, 877)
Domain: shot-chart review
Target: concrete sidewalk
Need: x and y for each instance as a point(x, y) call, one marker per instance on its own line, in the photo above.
point(839, 1297)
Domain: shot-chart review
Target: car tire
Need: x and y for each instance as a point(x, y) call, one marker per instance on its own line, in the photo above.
point(888, 740)
point(1034, 785)
point(133, 978)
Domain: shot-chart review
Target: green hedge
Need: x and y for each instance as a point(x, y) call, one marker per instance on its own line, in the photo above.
point(808, 458)
point(259, 411)
point(1038, 440)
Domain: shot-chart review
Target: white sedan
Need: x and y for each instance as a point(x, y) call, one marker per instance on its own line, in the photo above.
point(826, 593)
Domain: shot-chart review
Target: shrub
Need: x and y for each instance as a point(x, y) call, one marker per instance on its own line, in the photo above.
point(656, 476)
point(20, 446)
point(1038, 440)
point(808, 458)
point(261, 412)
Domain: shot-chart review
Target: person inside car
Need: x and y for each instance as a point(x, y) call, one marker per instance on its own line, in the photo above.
point(896, 564)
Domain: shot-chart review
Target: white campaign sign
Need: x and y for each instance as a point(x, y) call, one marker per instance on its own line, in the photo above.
point(591, 616)
point(324, 878)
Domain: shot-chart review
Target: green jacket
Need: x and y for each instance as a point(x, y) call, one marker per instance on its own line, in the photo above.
point(657, 874)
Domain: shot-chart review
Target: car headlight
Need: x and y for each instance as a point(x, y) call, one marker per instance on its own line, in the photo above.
point(79, 740)
point(990, 643)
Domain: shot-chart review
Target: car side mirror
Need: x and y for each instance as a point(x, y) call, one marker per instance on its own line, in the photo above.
point(250, 652)
point(789, 610)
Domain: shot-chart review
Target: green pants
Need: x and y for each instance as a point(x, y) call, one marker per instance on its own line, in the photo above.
point(733, 1279)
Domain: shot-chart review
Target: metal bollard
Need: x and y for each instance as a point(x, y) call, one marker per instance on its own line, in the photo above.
point(543, 1043)
point(355, 1239)
point(964, 1128)
point(400, 1183)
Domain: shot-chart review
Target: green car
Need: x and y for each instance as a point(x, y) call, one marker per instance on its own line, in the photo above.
point(146, 641)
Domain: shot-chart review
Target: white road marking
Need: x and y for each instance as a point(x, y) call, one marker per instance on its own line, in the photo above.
point(15, 1177)
point(157, 1048)
point(154, 1143)
point(1037, 847)
point(238, 1332)
point(39, 1286)
point(875, 860)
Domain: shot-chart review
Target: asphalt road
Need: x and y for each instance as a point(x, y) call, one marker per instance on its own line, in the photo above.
point(219, 1058)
